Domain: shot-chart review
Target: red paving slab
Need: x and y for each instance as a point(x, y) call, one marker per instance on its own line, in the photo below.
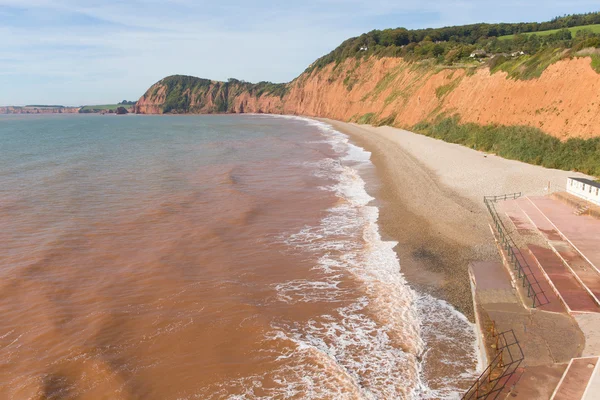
point(554, 303)
point(536, 382)
point(583, 232)
point(547, 299)
point(516, 215)
point(571, 291)
point(575, 379)
point(538, 219)
point(491, 276)
point(587, 275)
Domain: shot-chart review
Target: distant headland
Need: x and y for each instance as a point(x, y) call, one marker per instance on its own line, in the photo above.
point(123, 107)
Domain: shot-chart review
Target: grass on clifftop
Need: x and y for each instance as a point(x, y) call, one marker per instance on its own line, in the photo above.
point(520, 143)
point(474, 45)
point(527, 67)
point(596, 63)
point(101, 107)
point(594, 28)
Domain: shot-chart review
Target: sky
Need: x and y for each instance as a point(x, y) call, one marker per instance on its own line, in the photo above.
point(78, 52)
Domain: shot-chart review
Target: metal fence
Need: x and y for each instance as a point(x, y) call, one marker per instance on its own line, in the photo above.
point(503, 366)
point(515, 257)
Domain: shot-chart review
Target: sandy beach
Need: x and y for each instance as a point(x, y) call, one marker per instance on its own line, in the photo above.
point(431, 203)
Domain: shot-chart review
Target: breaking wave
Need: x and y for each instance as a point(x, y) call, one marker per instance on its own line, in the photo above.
point(384, 340)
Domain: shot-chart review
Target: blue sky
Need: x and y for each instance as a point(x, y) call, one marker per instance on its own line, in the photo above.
point(77, 52)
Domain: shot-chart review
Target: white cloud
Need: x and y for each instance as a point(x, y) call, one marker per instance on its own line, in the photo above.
point(74, 52)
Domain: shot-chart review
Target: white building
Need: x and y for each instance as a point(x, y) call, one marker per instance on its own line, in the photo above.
point(585, 189)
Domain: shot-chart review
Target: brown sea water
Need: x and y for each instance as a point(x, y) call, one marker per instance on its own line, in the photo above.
point(207, 257)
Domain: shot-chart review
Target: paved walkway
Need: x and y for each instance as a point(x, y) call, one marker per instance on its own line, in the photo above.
point(583, 270)
point(528, 230)
point(538, 383)
point(541, 334)
point(593, 390)
point(574, 279)
point(538, 219)
point(554, 302)
point(570, 290)
point(559, 262)
point(576, 379)
point(583, 232)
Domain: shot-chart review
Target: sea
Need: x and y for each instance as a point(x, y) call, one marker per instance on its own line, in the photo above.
point(208, 257)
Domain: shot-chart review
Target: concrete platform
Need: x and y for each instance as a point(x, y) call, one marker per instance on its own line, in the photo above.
point(529, 217)
point(555, 303)
point(592, 392)
point(537, 382)
point(582, 232)
point(549, 300)
point(573, 294)
point(538, 219)
point(583, 270)
point(580, 374)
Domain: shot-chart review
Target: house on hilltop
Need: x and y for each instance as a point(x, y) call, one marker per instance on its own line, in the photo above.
point(478, 54)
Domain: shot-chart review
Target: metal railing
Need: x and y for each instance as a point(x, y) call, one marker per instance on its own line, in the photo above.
point(515, 257)
point(503, 366)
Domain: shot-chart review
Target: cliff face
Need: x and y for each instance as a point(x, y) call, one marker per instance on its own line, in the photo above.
point(563, 102)
point(185, 94)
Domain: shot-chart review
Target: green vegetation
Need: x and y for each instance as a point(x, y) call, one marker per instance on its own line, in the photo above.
point(178, 90)
point(43, 106)
point(258, 89)
point(105, 107)
point(387, 121)
point(594, 28)
point(99, 108)
point(366, 119)
point(182, 91)
point(442, 91)
point(527, 67)
point(596, 62)
point(539, 43)
point(521, 143)
point(268, 88)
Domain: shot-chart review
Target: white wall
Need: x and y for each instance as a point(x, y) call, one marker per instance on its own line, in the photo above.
point(584, 191)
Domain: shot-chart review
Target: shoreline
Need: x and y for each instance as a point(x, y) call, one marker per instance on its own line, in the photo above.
point(431, 203)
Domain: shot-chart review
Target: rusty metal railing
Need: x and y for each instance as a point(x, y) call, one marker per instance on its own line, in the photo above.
point(501, 369)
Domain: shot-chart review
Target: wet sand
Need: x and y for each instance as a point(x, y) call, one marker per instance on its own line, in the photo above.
point(431, 203)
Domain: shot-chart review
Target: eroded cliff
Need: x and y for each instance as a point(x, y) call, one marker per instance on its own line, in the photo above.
point(563, 102)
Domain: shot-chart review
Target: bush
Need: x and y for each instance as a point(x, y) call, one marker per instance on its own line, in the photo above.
point(496, 62)
point(521, 143)
point(366, 119)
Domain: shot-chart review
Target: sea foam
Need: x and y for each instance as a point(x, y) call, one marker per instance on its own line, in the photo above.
point(380, 346)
